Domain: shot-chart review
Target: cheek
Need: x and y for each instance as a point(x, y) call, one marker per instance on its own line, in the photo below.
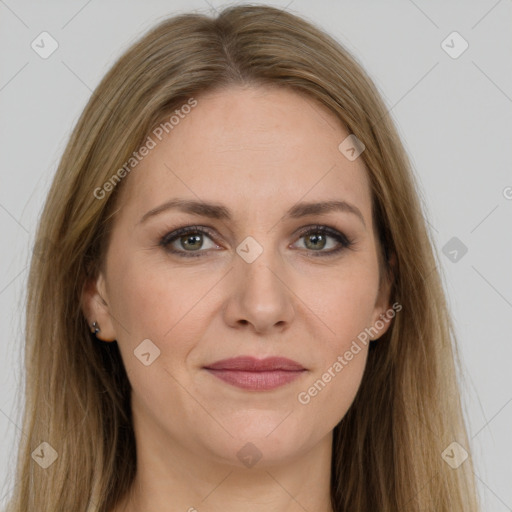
point(143, 305)
point(158, 302)
point(342, 353)
point(150, 305)
point(149, 299)
point(330, 393)
point(344, 301)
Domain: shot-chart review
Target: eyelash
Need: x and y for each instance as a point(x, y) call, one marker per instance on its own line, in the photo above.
point(343, 240)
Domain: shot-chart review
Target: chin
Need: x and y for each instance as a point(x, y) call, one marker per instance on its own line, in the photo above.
point(264, 440)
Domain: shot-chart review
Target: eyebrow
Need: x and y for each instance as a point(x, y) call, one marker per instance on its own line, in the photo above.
point(218, 211)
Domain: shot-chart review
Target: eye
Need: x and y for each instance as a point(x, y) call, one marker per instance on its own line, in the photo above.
point(189, 239)
point(316, 238)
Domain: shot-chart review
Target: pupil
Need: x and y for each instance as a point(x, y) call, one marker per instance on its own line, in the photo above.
point(190, 239)
point(317, 238)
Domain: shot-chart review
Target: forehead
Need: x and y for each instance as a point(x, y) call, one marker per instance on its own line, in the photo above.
point(256, 149)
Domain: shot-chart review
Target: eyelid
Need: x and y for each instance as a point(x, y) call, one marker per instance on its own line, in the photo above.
point(170, 236)
point(325, 228)
point(344, 242)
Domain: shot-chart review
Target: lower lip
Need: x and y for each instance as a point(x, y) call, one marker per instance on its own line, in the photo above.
point(257, 381)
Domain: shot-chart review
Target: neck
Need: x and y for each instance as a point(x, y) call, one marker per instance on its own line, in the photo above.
point(172, 478)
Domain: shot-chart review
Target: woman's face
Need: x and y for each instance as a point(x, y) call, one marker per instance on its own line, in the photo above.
point(248, 281)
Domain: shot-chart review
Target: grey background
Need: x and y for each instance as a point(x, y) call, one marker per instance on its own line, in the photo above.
point(454, 116)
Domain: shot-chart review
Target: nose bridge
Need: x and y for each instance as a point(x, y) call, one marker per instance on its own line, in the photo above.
point(259, 262)
point(260, 296)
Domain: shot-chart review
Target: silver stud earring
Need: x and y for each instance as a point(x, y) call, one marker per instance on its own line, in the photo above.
point(95, 327)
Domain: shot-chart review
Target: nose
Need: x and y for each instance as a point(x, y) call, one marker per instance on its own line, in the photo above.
point(261, 297)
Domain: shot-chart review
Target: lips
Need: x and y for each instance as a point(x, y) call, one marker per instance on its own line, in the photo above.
point(256, 374)
point(251, 364)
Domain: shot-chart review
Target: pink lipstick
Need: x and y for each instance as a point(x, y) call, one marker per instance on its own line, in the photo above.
point(256, 374)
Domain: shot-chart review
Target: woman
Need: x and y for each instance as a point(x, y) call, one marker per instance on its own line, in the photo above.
point(237, 304)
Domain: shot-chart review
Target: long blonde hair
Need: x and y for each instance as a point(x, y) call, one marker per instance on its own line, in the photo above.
point(387, 450)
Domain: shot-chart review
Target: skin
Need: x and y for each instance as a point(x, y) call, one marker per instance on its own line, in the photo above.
point(258, 151)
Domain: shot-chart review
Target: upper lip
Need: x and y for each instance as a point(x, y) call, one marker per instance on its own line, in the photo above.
point(252, 364)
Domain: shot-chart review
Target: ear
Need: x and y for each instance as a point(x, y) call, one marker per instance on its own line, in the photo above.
point(382, 303)
point(96, 308)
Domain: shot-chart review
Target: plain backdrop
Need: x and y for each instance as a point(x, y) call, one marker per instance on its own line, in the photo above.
point(454, 113)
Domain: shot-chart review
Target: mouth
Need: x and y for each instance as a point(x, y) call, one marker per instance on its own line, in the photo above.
point(256, 374)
